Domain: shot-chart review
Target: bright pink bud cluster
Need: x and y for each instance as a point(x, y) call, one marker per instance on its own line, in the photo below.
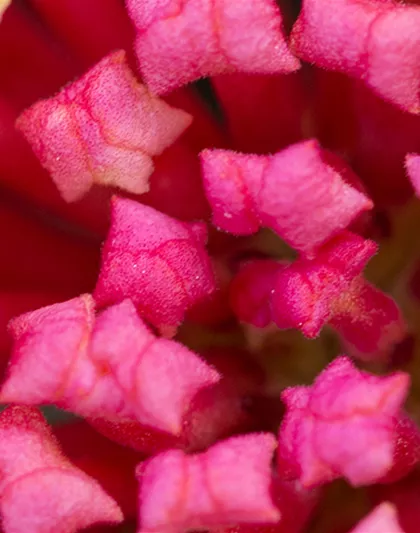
point(184, 404)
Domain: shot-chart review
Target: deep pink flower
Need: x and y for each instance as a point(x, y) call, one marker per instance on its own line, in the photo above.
point(104, 128)
point(179, 42)
point(373, 40)
point(157, 261)
point(330, 289)
point(179, 493)
point(265, 197)
point(295, 192)
point(40, 489)
point(347, 424)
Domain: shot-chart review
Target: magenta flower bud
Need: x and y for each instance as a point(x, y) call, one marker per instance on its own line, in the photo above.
point(228, 483)
point(329, 289)
point(296, 193)
point(347, 424)
point(375, 41)
point(104, 128)
point(41, 490)
point(158, 262)
point(158, 377)
point(177, 44)
point(111, 370)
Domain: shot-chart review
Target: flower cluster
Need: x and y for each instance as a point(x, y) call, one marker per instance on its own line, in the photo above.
point(204, 205)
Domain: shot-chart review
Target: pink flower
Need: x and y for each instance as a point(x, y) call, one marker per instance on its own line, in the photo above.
point(296, 193)
point(32, 471)
point(157, 261)
point(376, 41)
point(179, 42)
point(255, 197)
point(104, 128)
point(179, 493)
point(347, 424)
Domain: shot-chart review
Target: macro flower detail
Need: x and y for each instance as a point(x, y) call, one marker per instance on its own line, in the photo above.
point(104, 128)
point(109, 369)
point(295, 192)
point(181, 41)
point(157, 261)
point(347, 424)
point(179, 493)
point(375, 41)
point(32, 471)
point(203, 203)
point(310, 293)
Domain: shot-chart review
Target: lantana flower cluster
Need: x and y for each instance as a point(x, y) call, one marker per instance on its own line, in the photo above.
point(210, 274)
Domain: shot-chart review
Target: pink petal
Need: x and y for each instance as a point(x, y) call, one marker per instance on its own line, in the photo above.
point(158, 377)
point(104, 128)
point(157, 261)
point(50, 363)
point(368, 320)
point(346, 425)
point(305, 292)
point(295, 192)
point(228, 483)
point(373, 40)
point(47, 342)
point(179, 42)
point(382, 519)
point(40, 490)
point(296, 504)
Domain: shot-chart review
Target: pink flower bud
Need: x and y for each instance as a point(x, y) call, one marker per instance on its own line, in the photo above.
point(41, 491)
point(296, 505)
point(329, 289)
point(377, 41)
point(112, 370)
point(104, 128)
point(156, 261)
point(158, 377)
point(180, 43)
point(229, 483)
point(347, 424)
point(295, 192)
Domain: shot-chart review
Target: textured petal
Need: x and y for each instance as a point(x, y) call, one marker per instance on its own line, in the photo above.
point(296, 192)
point(180, 41)
point(347, 425)
point(228, 483)
point(157, 261)
point(104, 128)
point(32, 468)
point(377, 41)
point(158, 377)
